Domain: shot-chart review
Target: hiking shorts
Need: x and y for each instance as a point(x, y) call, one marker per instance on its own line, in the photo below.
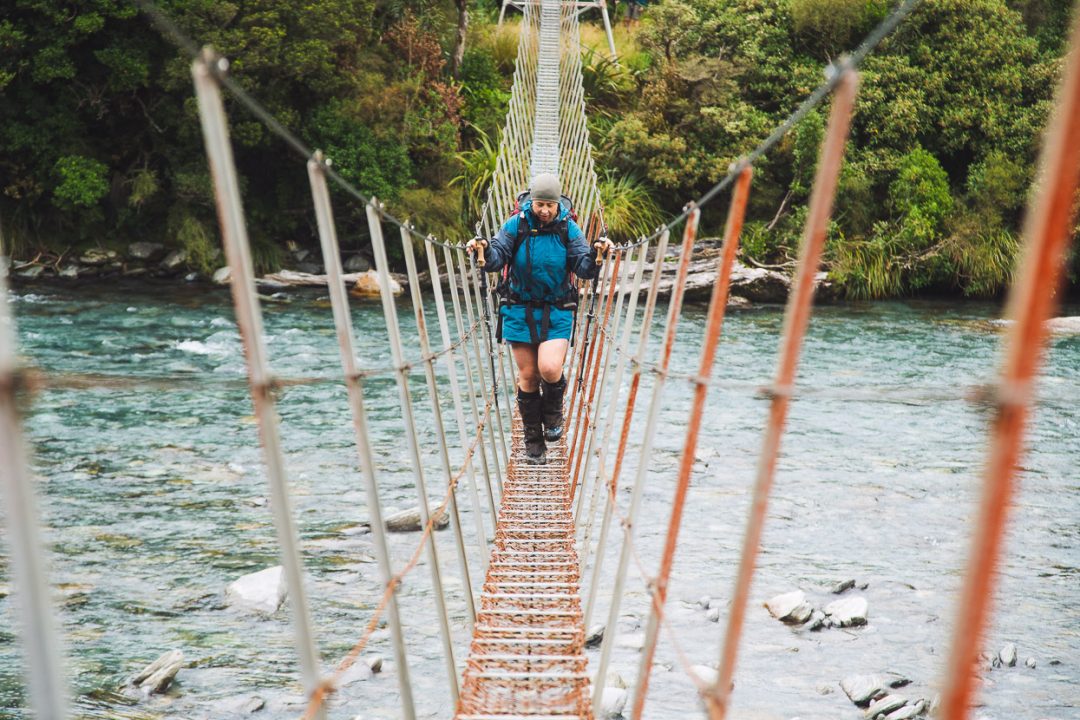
point(516, 329)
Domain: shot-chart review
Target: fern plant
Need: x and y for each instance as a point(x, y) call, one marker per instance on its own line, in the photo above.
point(629, 208)
point(477, 169)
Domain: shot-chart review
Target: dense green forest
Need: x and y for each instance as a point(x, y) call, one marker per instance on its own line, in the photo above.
point(100, 143)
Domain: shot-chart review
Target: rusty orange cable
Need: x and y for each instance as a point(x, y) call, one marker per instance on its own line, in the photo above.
point(1031, 300)
point(714, 325)
point(574, 459)
point(684, 660)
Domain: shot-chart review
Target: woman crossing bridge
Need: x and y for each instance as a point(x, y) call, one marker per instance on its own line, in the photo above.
point(540, 247)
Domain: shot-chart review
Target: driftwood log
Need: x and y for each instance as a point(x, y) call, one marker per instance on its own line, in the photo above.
point(156, 677)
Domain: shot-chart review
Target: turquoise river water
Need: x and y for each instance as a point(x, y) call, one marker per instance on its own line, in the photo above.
point(153, 500)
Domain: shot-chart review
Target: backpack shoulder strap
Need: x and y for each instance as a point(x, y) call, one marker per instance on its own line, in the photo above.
point(523, 231)
point(564, 232)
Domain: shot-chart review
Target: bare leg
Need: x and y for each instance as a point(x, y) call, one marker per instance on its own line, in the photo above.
point(525, 357)
point(551, 356)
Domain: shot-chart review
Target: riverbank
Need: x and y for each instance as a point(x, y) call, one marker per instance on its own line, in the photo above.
point(155, 262)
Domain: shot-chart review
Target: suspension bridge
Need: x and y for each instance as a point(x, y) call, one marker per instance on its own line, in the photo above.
point(540, 532)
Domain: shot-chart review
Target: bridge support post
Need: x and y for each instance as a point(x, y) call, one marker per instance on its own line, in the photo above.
point(41, 639)
point(713, 325)
point(607, 29)
point(440, 427)
point(339, 302)
point(205, 70)
point(378, 246)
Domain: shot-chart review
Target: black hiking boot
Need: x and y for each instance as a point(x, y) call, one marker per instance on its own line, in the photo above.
point(553, 401)
point(529, 405)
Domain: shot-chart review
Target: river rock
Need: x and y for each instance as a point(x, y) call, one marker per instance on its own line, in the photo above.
point(905, 713)
point(367, 285)
point(375, 662)
point(750, 283)
point(356, 264)
point(239, 706)
point(612, 702)
point(817, 620)
point(262, 592)
point(713, 614)
point(842, 586)
point(146, 251)
point(1030, 662)
point(898, 681)
point(409, 520)
point(848, 612)
point(222, 276)
point(31, 272)
point(615, 680)
point(357, 672)
point(790, 607)
point(174, 261)
point(1007, 655)
point(595, 635)
point(861, 689)
point(155, 677)
point(885, 705)
point(705, 673)
point(69, 272)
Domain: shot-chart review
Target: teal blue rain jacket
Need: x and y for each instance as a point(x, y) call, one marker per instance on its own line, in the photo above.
point(540, 270)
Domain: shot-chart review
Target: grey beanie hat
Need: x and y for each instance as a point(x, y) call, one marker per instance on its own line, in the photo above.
point(546, 187)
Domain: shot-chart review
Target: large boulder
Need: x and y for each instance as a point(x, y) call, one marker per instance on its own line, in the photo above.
point(96, 257)
point(367, 285)
point(861, 689)
point(754, 284)
point(848, 612)
point(261, 592)
point(357, 264)
point(1064, 325)
point(174, 261)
